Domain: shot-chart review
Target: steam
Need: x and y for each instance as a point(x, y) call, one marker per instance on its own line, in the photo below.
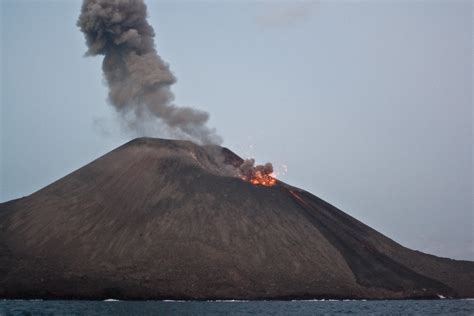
point(139, 80)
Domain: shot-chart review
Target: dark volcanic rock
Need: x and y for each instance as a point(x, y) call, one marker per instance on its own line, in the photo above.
point(161, 219)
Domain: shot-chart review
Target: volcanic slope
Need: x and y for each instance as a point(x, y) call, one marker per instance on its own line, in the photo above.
point(162, 219)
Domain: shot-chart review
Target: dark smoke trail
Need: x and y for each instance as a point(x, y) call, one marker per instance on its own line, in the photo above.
point(139, 80)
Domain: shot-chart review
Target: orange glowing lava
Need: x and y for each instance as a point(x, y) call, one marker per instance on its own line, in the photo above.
point(259, 178)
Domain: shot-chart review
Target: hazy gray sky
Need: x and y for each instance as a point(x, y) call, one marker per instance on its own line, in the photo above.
point(369, 103)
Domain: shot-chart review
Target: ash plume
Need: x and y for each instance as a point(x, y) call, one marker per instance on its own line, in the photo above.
point(139, 80)
point(249, 170)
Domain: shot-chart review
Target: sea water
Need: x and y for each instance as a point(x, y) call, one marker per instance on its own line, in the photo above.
point(311, 307)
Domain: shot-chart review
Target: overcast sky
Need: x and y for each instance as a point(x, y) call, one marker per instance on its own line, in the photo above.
point(369, 103)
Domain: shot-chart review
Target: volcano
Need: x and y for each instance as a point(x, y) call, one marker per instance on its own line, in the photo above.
point(162, 219)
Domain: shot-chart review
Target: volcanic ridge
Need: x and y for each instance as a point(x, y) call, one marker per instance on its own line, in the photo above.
point(168, 219)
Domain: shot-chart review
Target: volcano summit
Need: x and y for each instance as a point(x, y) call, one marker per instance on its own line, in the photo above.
point(164, 219)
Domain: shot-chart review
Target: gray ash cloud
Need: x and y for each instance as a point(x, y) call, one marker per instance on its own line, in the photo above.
point(139, 80)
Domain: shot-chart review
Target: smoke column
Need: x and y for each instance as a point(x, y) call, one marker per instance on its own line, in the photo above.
point(139, 80)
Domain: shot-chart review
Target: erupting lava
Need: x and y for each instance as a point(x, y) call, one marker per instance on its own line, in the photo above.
point(258, 175)
point(261, 179)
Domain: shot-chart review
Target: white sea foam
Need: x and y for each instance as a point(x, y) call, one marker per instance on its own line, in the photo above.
point(320, 300)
